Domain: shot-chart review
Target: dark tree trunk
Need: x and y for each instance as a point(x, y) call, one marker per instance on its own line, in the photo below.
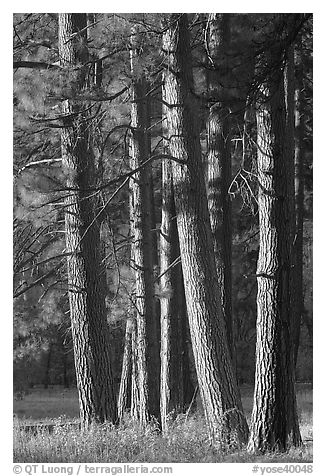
point(274, 422)
point(175, 372)
point(46, 380)
point(85, 274)
point(298, 197)
point(147, 344)
point(216, 377)
point(219, 161)
point(189, 379)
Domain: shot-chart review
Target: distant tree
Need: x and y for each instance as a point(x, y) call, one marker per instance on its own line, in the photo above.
point(86, 285)
point(216, 377)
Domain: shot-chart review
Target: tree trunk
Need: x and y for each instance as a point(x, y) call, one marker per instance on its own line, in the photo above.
point(173, 312)
point(135, 407)
point(189, 379)
point(219, 162)
point(274, 422)
point(46, 381)
point(85, 275)
point(298, 198)
point(223, 411)
point(295, 288)
point(147, 344)
point(124, 400)
point(134, 403)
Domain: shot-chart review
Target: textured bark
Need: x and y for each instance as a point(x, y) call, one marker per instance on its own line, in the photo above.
point(85, 274)
point(134, 404)
point(274, 422)
point(219, 161)
point(147, 344)
point(225, 420)
point(124, 400)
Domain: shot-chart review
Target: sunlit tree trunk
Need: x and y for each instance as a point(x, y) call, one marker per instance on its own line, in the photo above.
point(86, 284)
point(294, 288)
point(274, 422)
point(225, 420)
point(219, 159)
point(124, 400)
point(134, 397)
point(135, 407)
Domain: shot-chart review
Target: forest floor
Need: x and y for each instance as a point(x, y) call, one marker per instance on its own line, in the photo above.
point(186, 441)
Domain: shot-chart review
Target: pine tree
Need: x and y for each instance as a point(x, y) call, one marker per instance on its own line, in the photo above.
point(147, 354)
point(85, 274)
point(219, 159)
point(274, 422)
point(215, 372)
point(298, 201)
point(174, 352)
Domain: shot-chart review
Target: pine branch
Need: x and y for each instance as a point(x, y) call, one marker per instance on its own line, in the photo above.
point(39, 162)
point(172, 265)
point(34, 283)
point(125, 176)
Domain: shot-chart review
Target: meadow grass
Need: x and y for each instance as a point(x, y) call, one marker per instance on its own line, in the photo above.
point(45, 404)
point(185, 442)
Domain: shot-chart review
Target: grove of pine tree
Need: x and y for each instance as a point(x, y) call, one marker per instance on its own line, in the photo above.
point(162, 217)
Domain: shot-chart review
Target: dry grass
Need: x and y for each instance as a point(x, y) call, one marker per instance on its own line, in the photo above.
point(185, 442)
